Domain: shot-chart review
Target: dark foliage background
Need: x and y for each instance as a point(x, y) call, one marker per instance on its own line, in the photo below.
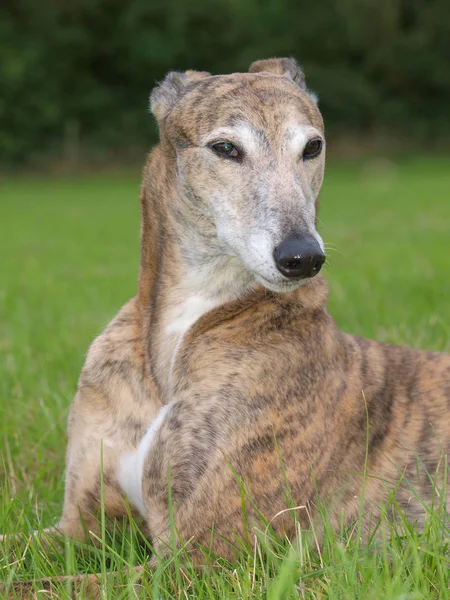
point(75, 74)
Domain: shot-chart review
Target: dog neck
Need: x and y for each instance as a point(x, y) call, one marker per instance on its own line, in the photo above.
point(183, 273)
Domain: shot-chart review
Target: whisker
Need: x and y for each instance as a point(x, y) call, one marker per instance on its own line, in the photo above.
point(334, 249)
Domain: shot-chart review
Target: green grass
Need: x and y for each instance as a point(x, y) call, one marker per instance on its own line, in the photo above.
point(69, 259)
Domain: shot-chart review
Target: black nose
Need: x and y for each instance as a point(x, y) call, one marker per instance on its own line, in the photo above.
point(299, 257)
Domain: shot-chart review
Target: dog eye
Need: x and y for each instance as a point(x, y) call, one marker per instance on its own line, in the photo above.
point(226, 149)
point(312, 149)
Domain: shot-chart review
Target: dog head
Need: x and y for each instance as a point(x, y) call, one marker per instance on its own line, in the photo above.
point(250, 153)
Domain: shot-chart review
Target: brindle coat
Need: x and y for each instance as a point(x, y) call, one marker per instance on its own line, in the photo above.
point(262, 384)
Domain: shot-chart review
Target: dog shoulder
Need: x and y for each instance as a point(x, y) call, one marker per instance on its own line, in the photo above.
point(117, 352)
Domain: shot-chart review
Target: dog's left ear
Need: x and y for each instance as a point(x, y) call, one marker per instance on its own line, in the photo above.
point(281, 66)
point(165, 95)
point(287, 67)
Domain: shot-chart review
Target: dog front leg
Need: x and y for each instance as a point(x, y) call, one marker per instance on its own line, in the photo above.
point(91, 487)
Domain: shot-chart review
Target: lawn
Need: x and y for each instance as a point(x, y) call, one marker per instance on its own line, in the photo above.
point(69, 259)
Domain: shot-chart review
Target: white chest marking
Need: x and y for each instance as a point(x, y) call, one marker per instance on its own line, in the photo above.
point(132, 463)
point(191, 310)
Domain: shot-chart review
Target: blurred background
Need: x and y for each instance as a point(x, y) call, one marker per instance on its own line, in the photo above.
point(75, 76)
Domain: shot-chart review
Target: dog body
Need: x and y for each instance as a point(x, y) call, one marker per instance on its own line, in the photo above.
point(226, 367)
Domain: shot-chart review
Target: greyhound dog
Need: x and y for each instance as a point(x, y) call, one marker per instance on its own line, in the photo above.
point(226, 370)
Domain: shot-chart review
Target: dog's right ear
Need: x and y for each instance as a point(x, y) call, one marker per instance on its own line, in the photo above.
point(164, 96)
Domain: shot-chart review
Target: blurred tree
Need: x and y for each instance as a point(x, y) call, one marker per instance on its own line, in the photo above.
point(75, 76)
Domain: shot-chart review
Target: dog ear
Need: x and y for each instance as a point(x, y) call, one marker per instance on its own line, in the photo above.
point(287, 67)
point(281, 66)
point(165, 95)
